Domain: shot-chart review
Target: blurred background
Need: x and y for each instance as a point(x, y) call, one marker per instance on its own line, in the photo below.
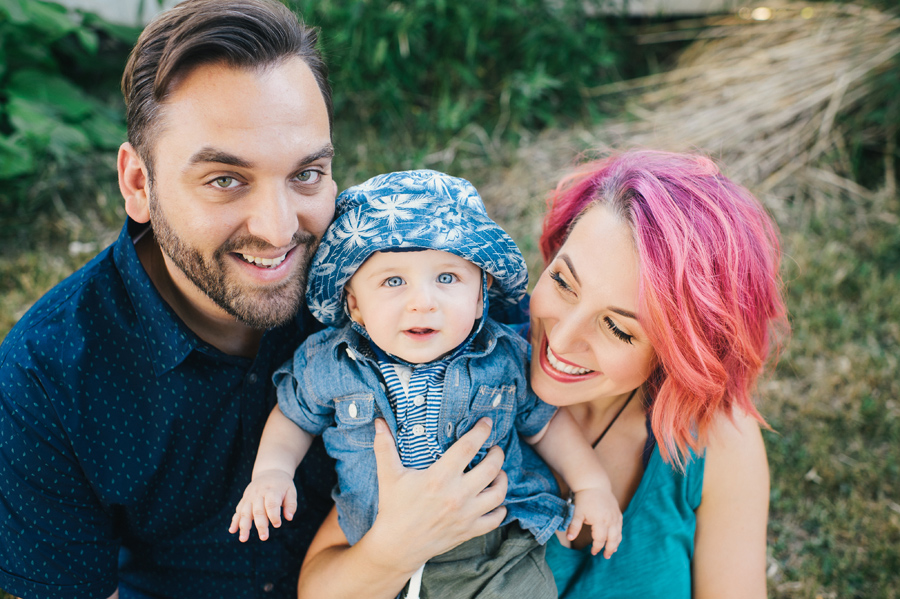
point(798, 101)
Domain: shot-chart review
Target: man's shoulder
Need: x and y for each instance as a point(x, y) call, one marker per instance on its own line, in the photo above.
point(64, 314)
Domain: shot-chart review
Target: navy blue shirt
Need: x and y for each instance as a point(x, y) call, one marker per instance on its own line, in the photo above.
point(126, 442)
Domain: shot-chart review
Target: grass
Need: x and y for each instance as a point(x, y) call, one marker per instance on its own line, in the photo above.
point(833, 401)
point(835, 458)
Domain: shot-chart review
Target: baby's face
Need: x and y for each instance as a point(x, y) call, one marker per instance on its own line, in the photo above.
point(416, 305)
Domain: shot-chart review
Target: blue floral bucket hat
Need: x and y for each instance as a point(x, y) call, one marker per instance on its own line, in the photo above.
point(421, 209)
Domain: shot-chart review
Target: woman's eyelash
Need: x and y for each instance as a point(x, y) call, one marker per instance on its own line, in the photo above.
point(554, 274)
point(617, 331)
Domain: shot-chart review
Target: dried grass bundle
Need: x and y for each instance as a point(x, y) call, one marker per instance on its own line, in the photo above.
point(761, 96)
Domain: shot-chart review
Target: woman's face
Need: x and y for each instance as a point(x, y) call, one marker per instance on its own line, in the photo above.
point(588, 343)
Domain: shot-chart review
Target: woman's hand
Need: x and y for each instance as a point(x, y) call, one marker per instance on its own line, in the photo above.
point(421, 514)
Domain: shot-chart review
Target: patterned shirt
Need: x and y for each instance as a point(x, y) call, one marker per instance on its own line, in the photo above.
point(126, 442)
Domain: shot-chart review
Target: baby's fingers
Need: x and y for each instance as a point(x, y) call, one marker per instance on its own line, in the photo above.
point(235, 523)
point(261, 520)
point(613, 539)
point(575, 526)
point(241, 522)
point(600, 536)
point(273, 510)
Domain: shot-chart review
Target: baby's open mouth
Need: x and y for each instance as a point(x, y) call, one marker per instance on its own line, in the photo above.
point(420, 331)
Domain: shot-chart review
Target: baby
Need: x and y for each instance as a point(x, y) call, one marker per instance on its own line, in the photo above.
point(403, 278)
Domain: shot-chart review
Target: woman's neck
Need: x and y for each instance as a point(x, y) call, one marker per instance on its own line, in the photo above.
point(593, 417)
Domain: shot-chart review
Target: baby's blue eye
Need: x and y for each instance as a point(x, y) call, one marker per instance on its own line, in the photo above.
point(445, 278)
point(394, 282)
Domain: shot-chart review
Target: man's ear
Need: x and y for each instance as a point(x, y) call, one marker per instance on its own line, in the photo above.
point(134, 183)
point(353, 306)
point(490, 279)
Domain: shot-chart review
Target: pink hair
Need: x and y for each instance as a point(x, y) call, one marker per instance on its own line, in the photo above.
point(709, 291)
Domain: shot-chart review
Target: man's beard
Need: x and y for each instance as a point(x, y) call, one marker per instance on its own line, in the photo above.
point(259, 308)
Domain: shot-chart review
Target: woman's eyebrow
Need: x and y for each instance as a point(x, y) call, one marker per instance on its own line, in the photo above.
point(622, 312)
point(565, 258)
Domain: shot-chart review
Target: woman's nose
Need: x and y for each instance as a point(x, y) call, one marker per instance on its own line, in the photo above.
point(567, 336)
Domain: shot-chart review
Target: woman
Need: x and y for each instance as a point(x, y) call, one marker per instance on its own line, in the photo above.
point(649, 325)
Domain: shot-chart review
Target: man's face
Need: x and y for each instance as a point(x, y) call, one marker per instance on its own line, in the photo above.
point(242, 188)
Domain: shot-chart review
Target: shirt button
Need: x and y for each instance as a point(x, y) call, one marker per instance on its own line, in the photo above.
point(418, 430)
point(496, 401)
point(252, 378)
point(351, 353)
point(418, 400)
point(352, 410)
point(268, 587)
point(449, 429)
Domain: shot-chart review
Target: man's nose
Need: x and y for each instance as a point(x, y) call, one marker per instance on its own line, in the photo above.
point(273, 218)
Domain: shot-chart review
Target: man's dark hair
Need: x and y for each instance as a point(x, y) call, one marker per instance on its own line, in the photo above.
point(241, 33)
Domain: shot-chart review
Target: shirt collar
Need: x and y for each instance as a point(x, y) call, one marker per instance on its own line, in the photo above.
point(169, 340)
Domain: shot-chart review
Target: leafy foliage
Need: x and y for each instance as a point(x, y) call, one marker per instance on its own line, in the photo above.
point(430, 68)
point(58, 92)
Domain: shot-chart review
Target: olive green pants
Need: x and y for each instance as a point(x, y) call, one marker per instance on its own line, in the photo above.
point(504, 563)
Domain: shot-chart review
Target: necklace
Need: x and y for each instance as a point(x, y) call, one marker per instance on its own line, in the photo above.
point(613, 421)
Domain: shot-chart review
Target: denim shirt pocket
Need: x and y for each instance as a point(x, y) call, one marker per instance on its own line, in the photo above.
point(499, 403)
point(353, 415)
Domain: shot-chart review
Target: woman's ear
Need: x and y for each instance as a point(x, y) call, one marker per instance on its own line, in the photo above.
point(134, 183)
point(490, 279)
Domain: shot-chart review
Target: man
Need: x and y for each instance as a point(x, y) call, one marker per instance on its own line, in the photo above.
point(133, 395)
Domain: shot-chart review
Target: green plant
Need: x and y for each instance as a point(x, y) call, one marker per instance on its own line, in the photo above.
point(426, 69)
point(58, 94)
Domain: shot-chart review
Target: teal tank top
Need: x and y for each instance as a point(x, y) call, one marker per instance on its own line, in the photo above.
point(654, 558)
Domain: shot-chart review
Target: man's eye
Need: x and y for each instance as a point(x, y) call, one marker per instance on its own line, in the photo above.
point(446, 278)
point(309, 176)
point(394, 282)
point(225, 182)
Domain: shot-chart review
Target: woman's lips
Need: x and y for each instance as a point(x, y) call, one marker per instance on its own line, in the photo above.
point(562, 370)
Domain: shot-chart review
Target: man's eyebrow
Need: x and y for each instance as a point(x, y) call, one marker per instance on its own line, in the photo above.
point(327, 151)
point(218, 156)
point(222, 157)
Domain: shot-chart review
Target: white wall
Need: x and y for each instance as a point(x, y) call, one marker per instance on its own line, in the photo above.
point(121, 11)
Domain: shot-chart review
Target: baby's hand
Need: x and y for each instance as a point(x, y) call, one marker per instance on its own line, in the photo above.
point(262, 502)
point(599, 508)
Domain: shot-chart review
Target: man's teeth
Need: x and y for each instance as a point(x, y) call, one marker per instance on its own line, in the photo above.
point(562, 366)
point(264, 261)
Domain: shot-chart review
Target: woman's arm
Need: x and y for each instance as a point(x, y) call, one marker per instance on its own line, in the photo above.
point(421, 513)
point(730, 547)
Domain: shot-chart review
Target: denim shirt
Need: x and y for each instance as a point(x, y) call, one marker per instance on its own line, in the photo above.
point(332, 387)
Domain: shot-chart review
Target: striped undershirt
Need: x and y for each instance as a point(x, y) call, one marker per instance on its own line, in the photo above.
point(415, 396)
